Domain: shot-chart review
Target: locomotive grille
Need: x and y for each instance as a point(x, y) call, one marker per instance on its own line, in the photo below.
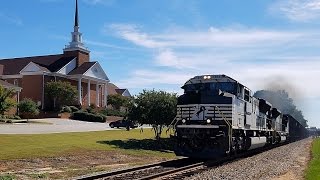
point(211, 111)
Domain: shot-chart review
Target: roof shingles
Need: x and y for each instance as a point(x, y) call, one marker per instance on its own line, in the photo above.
point(51, 62)
point(83, 68)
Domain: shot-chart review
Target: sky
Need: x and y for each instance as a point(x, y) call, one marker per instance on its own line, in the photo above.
point(152, 44)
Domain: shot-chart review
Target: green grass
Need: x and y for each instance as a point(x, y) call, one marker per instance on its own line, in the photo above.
point(39, 176)
point(7, 177)
point(313, 171)
point(51, 145)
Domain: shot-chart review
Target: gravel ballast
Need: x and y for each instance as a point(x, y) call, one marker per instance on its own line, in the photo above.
point(285, 162)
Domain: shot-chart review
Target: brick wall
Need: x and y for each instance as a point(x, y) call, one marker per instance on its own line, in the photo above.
point(81, 56)
point(93, 93)
point(32, 87)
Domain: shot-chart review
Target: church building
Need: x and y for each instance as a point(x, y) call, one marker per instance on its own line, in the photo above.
point(30, 74)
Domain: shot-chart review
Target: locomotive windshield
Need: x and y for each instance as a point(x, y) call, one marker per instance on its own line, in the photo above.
point(211, 88)
point(207, 93)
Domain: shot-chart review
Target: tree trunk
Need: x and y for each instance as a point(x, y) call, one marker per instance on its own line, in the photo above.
point(54, 103)
point(157, 130)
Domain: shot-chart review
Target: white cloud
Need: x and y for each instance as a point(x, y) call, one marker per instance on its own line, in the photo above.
point(190, 49)
point(253, 56)
point(132, 33)
point(148, 78)
point(107, 45)
point(302, 75)
point(298, 10)
point(212, 37)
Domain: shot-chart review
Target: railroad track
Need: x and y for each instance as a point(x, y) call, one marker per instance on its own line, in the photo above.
point(174, 169)
point(141, 172)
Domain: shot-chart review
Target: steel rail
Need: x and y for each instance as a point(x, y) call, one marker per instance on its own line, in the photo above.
point(131, 170)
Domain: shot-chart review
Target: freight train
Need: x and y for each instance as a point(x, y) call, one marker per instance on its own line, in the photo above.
point(218, 116)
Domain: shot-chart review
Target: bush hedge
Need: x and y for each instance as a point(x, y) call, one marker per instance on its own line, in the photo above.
point(10, 117)
point(28, 108)
point(66, 109)
point(74, 109)
point(69, 109)
point(85, 116)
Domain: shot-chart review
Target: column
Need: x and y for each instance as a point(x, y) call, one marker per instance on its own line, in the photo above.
point(97, 95)
point(18, 97)
point(89, 93)
point(105, 95)
point(79, 91)
point(42, 98)
point(18, 100)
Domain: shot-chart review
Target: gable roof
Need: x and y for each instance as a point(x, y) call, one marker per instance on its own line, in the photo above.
point(120, 91)
point(83, 68)
point(33, 67)
point(111, 88)
point(51, 62)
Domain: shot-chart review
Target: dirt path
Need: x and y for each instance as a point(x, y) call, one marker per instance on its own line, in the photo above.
point(71, 165)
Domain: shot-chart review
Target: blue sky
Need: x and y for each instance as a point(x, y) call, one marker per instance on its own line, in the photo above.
point(146, 44)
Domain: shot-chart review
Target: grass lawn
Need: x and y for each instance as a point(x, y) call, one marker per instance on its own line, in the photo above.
point(51, 145)
point(313, 171)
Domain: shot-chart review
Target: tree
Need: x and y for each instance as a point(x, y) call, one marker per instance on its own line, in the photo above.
point(116, 101)
point(61, 93)
point(28, 108)
point(157, 108)
point(6, 102)
point(281, 100)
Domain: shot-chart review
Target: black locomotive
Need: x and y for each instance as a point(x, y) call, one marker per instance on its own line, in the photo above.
point(217, 115)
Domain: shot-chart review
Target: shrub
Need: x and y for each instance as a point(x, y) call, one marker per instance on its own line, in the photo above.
point(16, 117)
point(28, 108)
point(10, 117)
point(90, 110)
point(61, 93)
point(6, 102)
point(93, 106)
point(111, 112)
point(86, 116)
point(66, 109)
point(74, 109)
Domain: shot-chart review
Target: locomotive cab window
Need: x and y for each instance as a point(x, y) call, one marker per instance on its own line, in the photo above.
point(210, 88)
point(246, 95)
point(240, 91)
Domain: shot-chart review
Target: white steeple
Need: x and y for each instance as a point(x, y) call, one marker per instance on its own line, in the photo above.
point(76, 43)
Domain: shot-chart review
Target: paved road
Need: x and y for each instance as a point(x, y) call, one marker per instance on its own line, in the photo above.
point(55, 126)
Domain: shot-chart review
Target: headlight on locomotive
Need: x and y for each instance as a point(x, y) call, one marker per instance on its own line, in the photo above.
point(184, 121)
point(208, 121)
